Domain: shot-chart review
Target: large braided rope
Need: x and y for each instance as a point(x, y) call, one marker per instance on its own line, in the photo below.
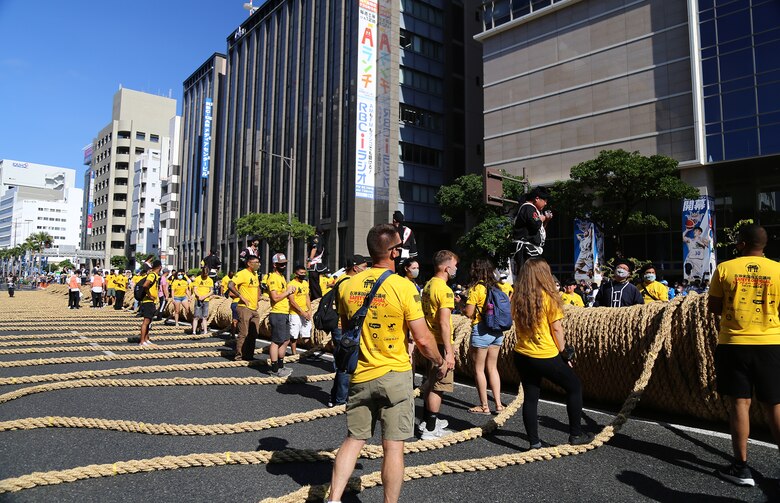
point(110, 358)
point(7, 343)
point(72, 349)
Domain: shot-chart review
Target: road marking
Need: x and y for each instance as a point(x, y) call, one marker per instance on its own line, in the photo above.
point(93, 344)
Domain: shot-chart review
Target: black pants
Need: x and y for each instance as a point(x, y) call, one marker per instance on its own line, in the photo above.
point(314, 285)
point(532, 370)
point(73, 299)
point(11, 291)
point(97, 299)
point(120, 300)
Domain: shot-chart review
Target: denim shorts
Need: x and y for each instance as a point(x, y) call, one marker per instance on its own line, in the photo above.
point(481, 338)
point(179, 299)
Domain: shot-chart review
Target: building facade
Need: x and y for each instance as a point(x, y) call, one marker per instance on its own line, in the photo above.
point(565, 79)
point(336, 113)
point(38, 198)
point(139, 122)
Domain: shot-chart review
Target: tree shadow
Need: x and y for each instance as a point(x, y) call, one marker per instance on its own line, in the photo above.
point(305, 390)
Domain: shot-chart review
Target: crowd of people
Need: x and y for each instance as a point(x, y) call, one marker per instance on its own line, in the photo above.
point(409, 325)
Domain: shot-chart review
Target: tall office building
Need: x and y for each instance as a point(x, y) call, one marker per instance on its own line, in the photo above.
point(696, 80)
point(38, 198)
point(138, 123)
point(342, 112)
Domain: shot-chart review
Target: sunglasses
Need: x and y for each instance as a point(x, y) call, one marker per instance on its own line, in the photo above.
point(399, 246)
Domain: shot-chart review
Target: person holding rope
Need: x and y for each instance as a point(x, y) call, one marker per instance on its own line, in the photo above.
point(381, 386)
point(541, 351)
point(744, 292)
point(530, 227)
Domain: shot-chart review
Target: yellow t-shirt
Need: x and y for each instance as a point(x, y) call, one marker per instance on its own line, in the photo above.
point(436, 295)
point(110, 281)
point(325, 286)
point(383, 335)
point(225, 280)
point(750, 289)
point(573, 299)
point(179, 287)
point(657, 290)
point(203, 287)
point(539, 342)
point(477, 298)
point(151, 294)
point(137, 278)
point(277, 283)
point(301, 294)
point(248, 285)
point(120, 283)
point(506, 288)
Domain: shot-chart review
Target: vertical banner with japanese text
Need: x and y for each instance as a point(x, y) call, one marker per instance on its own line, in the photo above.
point(698, 218)
point(206, 151)
point(365, 151)
point(383, 99)
point(588, 251)
point(90, 202)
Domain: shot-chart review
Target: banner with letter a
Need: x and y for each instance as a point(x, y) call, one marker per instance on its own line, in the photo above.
point(588, 251)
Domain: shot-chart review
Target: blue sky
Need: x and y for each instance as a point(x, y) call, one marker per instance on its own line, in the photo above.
point(62, 61)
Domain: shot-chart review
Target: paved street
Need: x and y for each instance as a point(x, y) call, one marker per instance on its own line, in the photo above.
point(646, 461)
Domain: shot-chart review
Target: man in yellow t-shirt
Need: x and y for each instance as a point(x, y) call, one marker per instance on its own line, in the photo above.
point(120, 287)
point(381, 387)
point(245, 286)
point(300, 308)
point(326, 283)
point(745, 292)
point(438, 301)
point(148, 307)
point(202, 288)
point(569, 295)
point(233, 305)
point(279, 292)
point(110, 288)
point(505, 285)
point(652, 290)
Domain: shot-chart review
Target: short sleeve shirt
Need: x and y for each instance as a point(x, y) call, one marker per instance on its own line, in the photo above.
point(301, 294)
point(277, 283)
point(477, 298)
point(436, 295)
point(539, 342)
point(203, 287)
point(120, 283)
point(179, 287)
point(657, 290)
point(152, 293)
point(383, 335)
point(573, 299)
point(248, 285)
point(750, 289)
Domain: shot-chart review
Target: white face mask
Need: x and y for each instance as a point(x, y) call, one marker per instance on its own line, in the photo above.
point(414, 273)
point(650, 277)
point(621, 273)
point(452, 271)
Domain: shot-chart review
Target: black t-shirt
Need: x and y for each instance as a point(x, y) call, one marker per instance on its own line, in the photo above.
point(317, 243)
point(407, 238)
point(212, 262)
point(527, 224)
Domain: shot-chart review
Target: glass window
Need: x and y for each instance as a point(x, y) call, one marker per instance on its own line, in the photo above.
point(707, 33)
point(140, 136)
point(736, 64)
point(766, 16)
point(770, 139)
point(741, 144)
point(767, 56)
point(769, 97)
point(737, 84)
point(733, 26)
point(714, 148)
point(735, 125)
point(709, 70)
point(712, 109)
point(768, 119)
point(738, 104)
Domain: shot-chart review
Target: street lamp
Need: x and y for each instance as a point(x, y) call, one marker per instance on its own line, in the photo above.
point(289, 163)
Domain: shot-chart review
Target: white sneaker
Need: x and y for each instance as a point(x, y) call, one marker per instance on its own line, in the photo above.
point(440, 424)
point(284, 372)
point(436, 433)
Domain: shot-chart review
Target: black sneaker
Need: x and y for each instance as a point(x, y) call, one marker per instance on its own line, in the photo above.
point(581, 439)
point(737, 474)
point(541, 444)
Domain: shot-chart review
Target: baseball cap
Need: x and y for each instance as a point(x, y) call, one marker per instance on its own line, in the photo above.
point(279, 258)
point(355, 260)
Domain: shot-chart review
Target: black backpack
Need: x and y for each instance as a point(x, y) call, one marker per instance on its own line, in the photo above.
point(139, 290)
point(327, 317)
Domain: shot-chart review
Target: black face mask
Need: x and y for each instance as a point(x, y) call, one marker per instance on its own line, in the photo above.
point(281, 268)
point(301, 276)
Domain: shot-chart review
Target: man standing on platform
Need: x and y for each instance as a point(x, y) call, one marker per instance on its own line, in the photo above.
point(744, 292)
point(245, 286)
point(381, 386)
point(409, 249)
point(252, 250)
point(315, 263)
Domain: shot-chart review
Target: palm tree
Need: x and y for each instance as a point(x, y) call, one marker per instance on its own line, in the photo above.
point(36, 242)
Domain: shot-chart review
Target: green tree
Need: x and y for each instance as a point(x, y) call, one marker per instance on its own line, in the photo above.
point(119, 262)
point(274, 228)
point(66, 264)
point(610, 189)
point(463, 200)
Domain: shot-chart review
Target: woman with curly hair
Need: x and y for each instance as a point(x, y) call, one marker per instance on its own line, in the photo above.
point(541, 351)
point(485, 344)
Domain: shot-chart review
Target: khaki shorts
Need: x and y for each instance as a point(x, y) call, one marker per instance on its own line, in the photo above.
point(444, 384)
point(389, 399)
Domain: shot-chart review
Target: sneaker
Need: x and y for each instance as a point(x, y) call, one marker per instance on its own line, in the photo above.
point(440, 424)
point(581, 439)
point(284, 372)
point(436, 433)
point(541, 444)
point(737, 474)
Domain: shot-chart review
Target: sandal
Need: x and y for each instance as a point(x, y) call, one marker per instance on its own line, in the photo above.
point(483, 410)
point(500, 409)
